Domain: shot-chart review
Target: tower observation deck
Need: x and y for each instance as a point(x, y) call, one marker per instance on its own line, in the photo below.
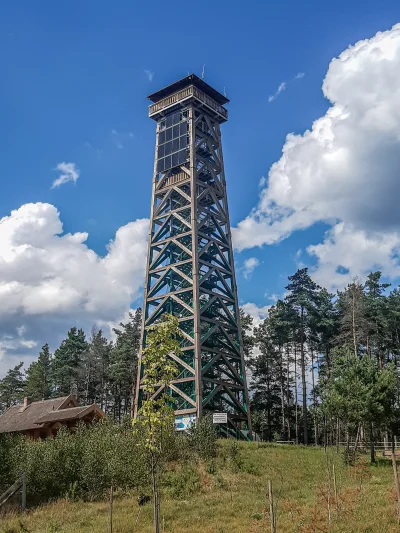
point(190, 269)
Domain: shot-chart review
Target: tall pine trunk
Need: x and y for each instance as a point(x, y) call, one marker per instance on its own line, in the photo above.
point(314, 400)
point(288, 390)
point(303, 380)
point(353, 314)
point(295, 394)
point(372, 442)
point(282, 394)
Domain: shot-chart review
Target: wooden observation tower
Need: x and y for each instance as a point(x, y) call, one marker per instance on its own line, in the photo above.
point(190, 269)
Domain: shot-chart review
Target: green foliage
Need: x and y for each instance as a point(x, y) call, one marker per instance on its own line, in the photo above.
point(359, 391)
point(80, 465)
point(94, 370)
point(183, 481)
point(204, 439)
point(66, 362)
point(123, 364)
point(38, 384)
point(11, 388)
point(156, 416)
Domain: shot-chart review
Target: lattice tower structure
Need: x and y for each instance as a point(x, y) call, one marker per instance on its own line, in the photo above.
point(190, 267)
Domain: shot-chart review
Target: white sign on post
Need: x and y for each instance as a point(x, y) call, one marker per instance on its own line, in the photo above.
point(220, 418)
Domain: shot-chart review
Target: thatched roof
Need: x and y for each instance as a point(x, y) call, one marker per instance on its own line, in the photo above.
point(36, 414)
point(73, 413)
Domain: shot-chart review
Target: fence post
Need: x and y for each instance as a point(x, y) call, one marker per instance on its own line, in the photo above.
point(111, 507)
point(23, 493)
point(271, 507)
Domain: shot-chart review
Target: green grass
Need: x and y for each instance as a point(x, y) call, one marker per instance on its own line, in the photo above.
point(231, 497)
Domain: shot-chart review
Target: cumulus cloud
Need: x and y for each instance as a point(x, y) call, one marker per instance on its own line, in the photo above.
point(258, 313)
point(345, 170)
point(249, 265)
point(50, 280)
point(347, 252)
point(69, 172)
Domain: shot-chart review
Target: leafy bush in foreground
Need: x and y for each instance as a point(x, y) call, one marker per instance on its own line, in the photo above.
point(86, 464)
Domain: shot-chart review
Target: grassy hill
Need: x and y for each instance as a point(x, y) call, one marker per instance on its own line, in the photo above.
point(230, 495)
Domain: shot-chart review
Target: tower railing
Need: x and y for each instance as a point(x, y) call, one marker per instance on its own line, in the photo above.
point(180, 96)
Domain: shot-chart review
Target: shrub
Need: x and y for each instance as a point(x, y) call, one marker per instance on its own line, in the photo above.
point(183, 482)
point(204, 439)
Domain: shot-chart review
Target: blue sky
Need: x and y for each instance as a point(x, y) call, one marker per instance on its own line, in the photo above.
point(75, 77)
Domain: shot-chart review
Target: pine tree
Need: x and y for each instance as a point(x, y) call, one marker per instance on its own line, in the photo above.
point(38, 377)
point(279, 319)
point(246, 326)
point(267, 376)
point(353, 330)
point(12, 388)
point(95, 369)
point(66, 363)
point(124, 364)
point(392, 311)
point(376, 316)
point(302, 297)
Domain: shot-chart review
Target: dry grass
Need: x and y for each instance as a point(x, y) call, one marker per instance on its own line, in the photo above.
point(236, 501)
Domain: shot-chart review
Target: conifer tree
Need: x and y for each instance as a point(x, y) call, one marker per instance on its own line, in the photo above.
point(12, 388)
point(95, 369)
point(302, 297)
point(266, 384)
point(124, 364)
point(38, 377)
point(67, 361)
point(353, 323)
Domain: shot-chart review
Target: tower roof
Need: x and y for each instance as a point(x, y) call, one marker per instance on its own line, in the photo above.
point(192, 79)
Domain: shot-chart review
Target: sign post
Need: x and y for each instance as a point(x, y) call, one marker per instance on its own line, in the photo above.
point(221, 418)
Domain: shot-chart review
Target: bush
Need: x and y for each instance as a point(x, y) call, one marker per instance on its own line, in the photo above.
point(204, 439)
point(183, 482)
point(85, 464)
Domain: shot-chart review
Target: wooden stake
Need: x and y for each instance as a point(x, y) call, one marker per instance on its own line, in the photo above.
point(23, 493)
point(337, 435)
point(137, 517)
point(335, 489)
point(329, 499)
point(111, 508)
point(396, 484)
point(271, 507)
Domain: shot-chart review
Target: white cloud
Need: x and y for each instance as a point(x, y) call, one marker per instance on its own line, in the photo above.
point(149, 74)
point(50, 281)
point(347, 252)
point(279, 90)
point(345, 170)
point(299, 76)
point(259, 314)
point(249, 265)
point(69, 172)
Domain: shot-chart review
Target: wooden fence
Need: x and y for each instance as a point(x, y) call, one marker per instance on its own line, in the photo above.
point(20, 484)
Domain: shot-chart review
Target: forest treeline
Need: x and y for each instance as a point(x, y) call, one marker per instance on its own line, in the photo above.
point(322, 367)
point(94, 368)
point(326, 366)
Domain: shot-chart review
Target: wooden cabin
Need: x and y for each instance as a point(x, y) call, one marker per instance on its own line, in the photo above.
point(39, 420)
